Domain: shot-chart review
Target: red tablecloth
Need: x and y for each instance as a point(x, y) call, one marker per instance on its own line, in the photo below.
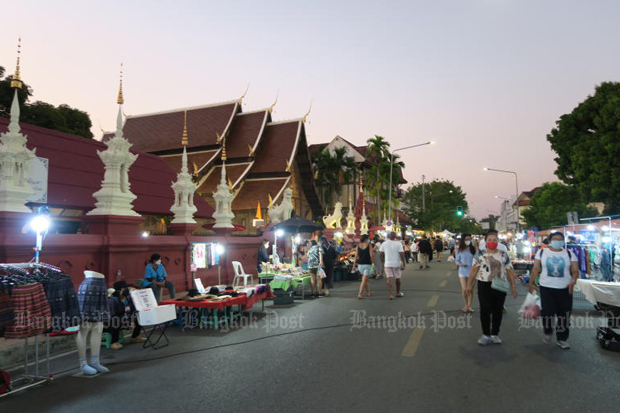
point(241, 300)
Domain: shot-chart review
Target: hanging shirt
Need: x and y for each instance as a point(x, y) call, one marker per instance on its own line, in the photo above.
point(151, 274)
point(555, 268)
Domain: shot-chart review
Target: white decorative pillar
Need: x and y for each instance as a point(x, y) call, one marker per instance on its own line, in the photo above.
point(223, 199)
point(364, 221)
point(115, 196)
point(184, 189)
point(350, 229)
point(14, 157)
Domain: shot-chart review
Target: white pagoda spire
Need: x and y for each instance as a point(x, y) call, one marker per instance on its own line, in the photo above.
point(184, 188)
point(223, 198)
point(15, 157)
point(115, 196)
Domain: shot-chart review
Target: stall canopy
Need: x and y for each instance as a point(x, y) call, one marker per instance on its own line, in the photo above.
point(446, 233)
point(298, 224)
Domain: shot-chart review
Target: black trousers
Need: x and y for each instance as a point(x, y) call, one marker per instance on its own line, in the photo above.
point(328, 281)
point(556, 304)
point(491, 308)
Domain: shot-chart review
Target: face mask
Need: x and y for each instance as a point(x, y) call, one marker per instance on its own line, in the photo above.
point(557, 244)
point(158, 262)
point(468, 243)
point(491, 245)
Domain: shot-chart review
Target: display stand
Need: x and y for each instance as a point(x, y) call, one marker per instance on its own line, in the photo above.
point(151, 314)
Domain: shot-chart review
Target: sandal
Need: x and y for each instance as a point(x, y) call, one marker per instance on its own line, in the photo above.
point(369, 294)
point(391, 297)
point(360, 297)
point(400, 295)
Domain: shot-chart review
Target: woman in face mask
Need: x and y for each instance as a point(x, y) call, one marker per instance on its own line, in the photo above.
point(558, 271)
point(486, 267)
point(155, 277)
point(464, 257)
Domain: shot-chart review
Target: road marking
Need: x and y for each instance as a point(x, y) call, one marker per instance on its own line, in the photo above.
point(449, 273)
point(443, 283)
point(433, 301)
point(414, 341)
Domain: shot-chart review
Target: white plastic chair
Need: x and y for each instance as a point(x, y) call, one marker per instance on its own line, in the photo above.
point(240, 273)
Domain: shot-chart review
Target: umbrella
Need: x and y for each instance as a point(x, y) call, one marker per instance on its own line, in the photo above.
point(298, 224)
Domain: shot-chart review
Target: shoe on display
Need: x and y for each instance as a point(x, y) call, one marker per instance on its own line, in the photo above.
point(116, 346)
point(496, 340)
point(547, 338)
point(563, 345)
point(484, 340)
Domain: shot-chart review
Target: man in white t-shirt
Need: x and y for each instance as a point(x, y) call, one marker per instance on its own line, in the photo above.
point(558, 271)
point(393, 257)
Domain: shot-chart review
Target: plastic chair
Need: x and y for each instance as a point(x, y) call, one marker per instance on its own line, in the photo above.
point(106, 340)
point(240, 273)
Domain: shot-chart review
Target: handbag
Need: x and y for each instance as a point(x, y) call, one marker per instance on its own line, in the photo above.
point(501, 285)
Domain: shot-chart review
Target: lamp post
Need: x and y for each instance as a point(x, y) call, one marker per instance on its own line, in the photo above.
point(392, 167)
point(517, 195)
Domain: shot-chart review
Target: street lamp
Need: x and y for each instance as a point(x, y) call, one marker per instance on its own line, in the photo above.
point(392, 167)
point(40, 224)
point(517, 186)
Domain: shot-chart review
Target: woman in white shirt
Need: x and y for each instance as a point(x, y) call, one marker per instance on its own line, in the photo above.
point(486, 266)
point(558, 271)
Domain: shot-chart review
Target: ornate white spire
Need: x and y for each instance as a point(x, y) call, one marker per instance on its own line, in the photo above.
point(15, 157)
point(115, 196)
point(223, 198)
point(363, 218)
point(350, 229)
point(184, 188)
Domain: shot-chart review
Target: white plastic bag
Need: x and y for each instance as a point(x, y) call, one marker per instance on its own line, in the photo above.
point(531, 306)
point(321, 273)
point(451, 258)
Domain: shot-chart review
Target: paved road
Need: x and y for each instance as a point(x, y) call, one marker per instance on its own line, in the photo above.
point(318, 355)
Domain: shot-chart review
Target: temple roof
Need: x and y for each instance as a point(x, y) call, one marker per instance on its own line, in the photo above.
point(278, 146)
point(160, 132)
point(76, 172)
point(253, 191)
point(246, 131)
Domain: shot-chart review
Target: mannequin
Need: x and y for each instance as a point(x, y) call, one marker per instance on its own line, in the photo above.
point(93, 310)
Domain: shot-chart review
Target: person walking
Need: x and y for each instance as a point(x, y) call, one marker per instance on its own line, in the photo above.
point(393, 256)
point(376, 247)
point(414, 250)
point(315, 261)
point(465, 253)
point(329, 261)
point(407, 248)
point(494, 273)
point(558, 269)
point(438, 248)
point(363, 262)
point(426, 251)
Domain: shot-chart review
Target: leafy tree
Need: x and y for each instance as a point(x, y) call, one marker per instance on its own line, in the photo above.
point(378, 175)
point(62, 118)
point(491, 220)
point(587, 144)
point(441, 201)
point(332, 172)
point(549, 205)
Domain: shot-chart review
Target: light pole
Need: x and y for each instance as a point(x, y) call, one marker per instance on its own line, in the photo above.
point(392, 167)
point(517, 196)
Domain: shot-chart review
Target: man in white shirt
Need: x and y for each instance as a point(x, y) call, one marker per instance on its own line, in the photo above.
point(393, 257)
point(558, 271)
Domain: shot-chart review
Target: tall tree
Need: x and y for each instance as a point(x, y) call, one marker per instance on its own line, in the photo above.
point(378, 152)
point(491, 220)
point(62, 118)
point(549, 205)
point(587, 144)
point(332, 172)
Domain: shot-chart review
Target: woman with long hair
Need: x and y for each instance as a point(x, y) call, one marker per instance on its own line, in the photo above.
point(363, 262)
point(376, 245)
point(262, 257)
point(465, 253)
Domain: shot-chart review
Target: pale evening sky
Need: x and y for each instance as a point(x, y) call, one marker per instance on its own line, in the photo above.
point(486, 79)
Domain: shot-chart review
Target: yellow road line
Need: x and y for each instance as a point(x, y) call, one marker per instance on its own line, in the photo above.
point(414, 341)
point(443, 283)
point(433, 301)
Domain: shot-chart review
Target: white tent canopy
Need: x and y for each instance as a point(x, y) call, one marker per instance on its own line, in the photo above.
point(445, 233)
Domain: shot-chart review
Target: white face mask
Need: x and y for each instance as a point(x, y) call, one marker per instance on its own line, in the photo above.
point(468, 243)
point(158, 262)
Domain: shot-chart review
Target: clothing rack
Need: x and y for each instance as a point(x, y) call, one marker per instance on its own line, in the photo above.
point(27, 380)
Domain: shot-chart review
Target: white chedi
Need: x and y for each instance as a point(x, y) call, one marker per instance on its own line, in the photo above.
point(364, 222)
point(223, 214)
point(350, 229)
point(184, 189)
point(115, 196)
point(14, 160)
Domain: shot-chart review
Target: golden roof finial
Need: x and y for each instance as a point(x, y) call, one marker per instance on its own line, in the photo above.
point(224, 151)
point(244, 94)
point(16, 81)
point(274, 103)
point(185, 139)
point(120, 100)
point(303, 120)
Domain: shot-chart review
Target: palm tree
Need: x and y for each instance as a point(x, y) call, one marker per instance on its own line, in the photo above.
point(378, 153)
point(332, 172)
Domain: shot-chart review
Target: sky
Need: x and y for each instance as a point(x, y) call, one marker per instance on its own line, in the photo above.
point(485, 79)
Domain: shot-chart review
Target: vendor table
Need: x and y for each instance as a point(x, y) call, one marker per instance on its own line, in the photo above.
point(600, 292)
point(216, 313)
point(302, 281)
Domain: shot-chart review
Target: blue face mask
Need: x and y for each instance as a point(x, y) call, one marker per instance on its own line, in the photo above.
point(557, 244)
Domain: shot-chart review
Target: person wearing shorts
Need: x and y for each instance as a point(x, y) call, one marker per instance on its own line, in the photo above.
point(363, 262)
point(393, 257)
point(315, 261)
